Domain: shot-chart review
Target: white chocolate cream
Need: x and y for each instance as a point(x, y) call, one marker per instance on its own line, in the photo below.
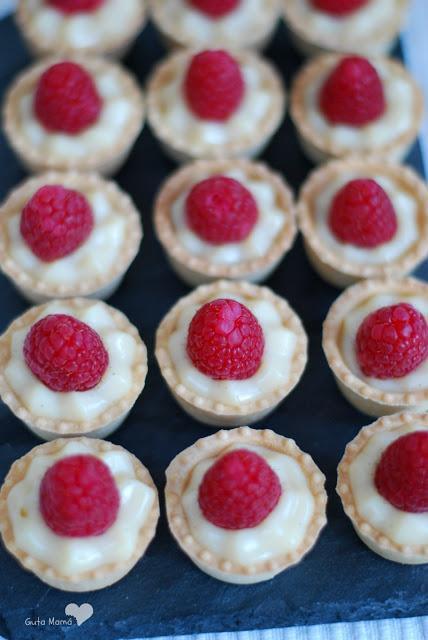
point(280, 533)
point(103, 135)
point(72, 556)
point(274, 370)
point(406, 236)
point(76, 405)
point(400, 526)
point(270, 221)
point(95, 257)
point(396, 120)
point(417, 380)
point(90, 29)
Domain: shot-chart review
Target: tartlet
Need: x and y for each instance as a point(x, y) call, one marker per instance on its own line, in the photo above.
point(49, 30)
point(245, 133)
point(96, 411)
point(52, 557)
point(390, 135)
point(228, 401)
point(97, 266)
point(392, 529)
point(370, 394)
point(343, 263)
point(253, 258)
point(224, 554)
point(102, 147)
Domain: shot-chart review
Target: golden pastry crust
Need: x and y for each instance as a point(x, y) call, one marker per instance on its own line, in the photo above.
point(115, 47)
point(103, 161)
point(178, 474)
point(213, 412)
point(179, 146)
point(320, 147)
point(31, 285)
point(366, 398)
point(377, 540)
point(99, 578)
point(196, 269)
point(336, 269)
point(103, 424)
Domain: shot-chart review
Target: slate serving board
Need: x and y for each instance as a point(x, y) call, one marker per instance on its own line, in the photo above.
point(340, 580)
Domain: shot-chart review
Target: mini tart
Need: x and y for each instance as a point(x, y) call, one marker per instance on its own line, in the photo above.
point(343, 264)
point(48, 30)
point(122, 117)
point(249, 25)
point(391, 135)
point(370, 30)
point(37, 280)
point(209, 408)
point(106, 573)
point(196, 269)
point(365, 394)
point(379, 530)
point(164, 95)
point(179, 476)
point(122, 382)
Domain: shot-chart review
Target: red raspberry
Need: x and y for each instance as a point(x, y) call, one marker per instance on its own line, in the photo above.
point(353, 93)
point(225, 341)
point(362, 214)
point(79, 497)
point(55, 222)
point(239, 491)
point(65, 354)
point(339, 7)
point(214, 85)
point(76, 6)
point(67, 99)
point(402, 473)
point(215, 8)
point(392, 341)
point(221, 210)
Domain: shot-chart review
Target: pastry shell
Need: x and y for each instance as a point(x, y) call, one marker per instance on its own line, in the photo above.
point(105, 161)
point(32, 287)
point(361, 395)
point(115, 47)
point(108, 573)
point(376, 540)
point(178, 146)
point(177, 476)
point(196, 270)
point(212, 412)
point(320, 148)
point(105, 423)
point(336, 269)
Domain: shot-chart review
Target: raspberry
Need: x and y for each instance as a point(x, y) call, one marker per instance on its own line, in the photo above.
point(221, 210)
point(402, 473)
point(67, 99)
point(339, 7)
point(79, 497)
point(392, 341)
point(225, 341)
point(55, 222)
point(239, 491)
point(76, 6)
point(362, 214)
point(215, 8)
point(353, 93)
point(214, 85)
point(65, 354)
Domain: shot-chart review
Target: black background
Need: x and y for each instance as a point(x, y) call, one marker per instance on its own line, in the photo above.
point(166, 594)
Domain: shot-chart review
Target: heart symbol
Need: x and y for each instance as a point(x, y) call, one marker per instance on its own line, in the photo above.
point(82, 613)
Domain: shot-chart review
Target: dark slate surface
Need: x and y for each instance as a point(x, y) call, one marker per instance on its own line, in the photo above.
point(341, 580)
